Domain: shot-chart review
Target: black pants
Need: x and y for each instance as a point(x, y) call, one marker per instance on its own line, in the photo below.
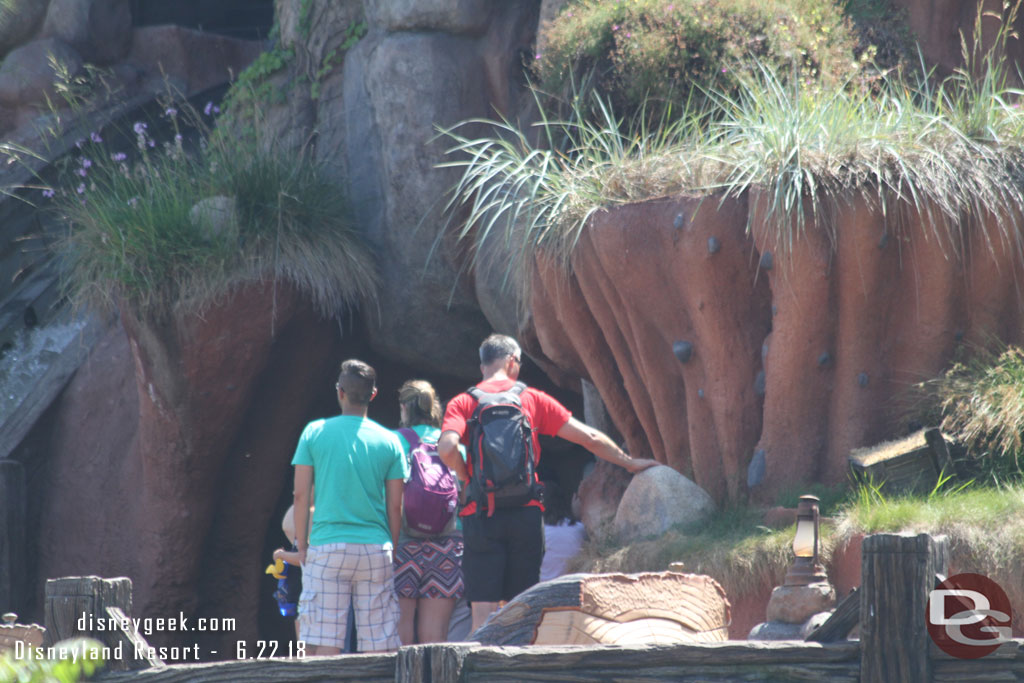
point(503, 553)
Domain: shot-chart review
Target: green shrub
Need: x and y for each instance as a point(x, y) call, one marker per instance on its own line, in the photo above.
point(133, 232)
point(656, 51)
point(83, 657)
point(981, 404)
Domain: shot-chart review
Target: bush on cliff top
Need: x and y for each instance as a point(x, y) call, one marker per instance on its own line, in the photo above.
point(652, 53)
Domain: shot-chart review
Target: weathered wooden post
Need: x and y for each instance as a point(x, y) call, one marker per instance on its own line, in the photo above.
point(76, 604)
point(897, 574)
point(12, 536)
point(433, 663)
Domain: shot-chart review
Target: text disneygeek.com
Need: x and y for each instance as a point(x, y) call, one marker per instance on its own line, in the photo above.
point(88, 624)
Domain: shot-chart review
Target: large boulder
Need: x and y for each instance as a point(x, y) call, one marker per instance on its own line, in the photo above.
point(599, 494)
point(18, 21)
point(28, 74)
point(101, 30)
point(658, 499)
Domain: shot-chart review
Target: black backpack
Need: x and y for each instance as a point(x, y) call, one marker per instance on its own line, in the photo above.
point(501, 450)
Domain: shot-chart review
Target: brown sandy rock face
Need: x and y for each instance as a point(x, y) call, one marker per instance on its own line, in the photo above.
point(101, 30)
point(27, 75)
point(646, 278)
point(18, 21)
point(744, 363)
point(220, 397)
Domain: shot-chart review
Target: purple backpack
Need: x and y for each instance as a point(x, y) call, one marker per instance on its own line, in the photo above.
point(431, 495)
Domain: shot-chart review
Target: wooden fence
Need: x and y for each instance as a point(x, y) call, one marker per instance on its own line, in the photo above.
point(898, 573)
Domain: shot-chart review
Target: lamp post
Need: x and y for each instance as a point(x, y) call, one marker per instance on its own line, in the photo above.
point(806, 568)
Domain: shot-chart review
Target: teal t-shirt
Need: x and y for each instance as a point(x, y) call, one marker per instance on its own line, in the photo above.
point(351, 457)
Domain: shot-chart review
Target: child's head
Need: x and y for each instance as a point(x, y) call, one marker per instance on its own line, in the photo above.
point(557, 504)
point(419, 404)
point(288, 524)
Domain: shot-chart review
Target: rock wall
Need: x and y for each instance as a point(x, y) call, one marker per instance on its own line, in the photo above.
point(420, 66)
point(753, 369)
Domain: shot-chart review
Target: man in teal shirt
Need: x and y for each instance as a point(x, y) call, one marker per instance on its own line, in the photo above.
point(357, 469)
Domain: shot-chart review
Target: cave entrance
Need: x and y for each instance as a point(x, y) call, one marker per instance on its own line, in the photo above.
point(562, 463)
point(245, 19)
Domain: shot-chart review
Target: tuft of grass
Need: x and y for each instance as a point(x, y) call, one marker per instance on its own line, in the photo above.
point(133, 232)
point(984, 525)
point(980, 402)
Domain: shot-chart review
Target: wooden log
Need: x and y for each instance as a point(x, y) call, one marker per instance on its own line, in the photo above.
point(136, 651)
point(897, 574)
point(75, 603)
point(13, 522)
point(633, 609)
point(728, 661)
point(378, 668)
point(845, 616)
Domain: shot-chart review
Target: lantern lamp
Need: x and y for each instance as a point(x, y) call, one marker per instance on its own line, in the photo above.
point(806, 568)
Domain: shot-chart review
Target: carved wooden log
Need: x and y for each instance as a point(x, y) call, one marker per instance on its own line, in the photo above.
point(621, 609)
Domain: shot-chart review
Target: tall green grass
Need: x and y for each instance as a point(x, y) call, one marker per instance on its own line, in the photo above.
point(133, 233)
point(980, 403)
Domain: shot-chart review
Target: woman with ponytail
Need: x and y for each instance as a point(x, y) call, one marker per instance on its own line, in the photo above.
point(428, 569)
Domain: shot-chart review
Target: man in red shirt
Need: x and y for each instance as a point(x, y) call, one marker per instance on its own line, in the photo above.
point(503, 551)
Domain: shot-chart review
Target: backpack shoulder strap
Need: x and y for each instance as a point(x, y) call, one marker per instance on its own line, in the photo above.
point(410, 436)
point(518, 389)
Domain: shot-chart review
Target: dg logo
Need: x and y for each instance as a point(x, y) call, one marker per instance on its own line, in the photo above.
point(969, 616)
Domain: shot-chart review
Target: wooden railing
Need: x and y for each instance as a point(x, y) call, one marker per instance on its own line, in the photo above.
point(898, 573)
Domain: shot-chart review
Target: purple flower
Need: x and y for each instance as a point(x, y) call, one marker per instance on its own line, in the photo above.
point(133, 201)
point(628, 34)
point(210, 109)
point(48, 193)
point(177, 138)
point(171, 111)
point(86, 163)
point(537, 56)
point(95, 137)
point(724, 69)
point(82, 172)
point(152, 144)
point(615, 27)
point(139, 128)
point(120, 156)
point(80, 189)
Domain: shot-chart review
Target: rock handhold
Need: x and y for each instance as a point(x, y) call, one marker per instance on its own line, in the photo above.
point(713, 245)
point(767, 261)
point(658, 499)
point(683, 350)
point(756, 469)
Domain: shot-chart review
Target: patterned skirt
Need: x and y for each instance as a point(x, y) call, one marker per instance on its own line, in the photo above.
point(429, 568)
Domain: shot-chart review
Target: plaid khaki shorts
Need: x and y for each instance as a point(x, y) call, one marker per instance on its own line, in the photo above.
point(336, 573)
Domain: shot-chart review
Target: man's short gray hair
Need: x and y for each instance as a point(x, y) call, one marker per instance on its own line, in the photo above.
point(498, 346)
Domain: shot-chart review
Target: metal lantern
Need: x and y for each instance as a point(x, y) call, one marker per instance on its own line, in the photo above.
point(806, 568)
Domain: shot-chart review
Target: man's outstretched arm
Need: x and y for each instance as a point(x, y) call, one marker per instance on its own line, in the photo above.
point(448, 449)
point(598, 443)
